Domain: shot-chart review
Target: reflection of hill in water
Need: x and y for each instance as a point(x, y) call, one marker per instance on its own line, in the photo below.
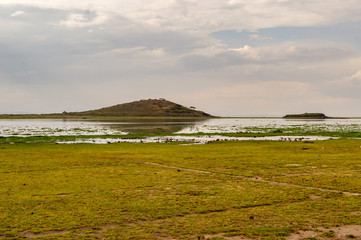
point(150, 125)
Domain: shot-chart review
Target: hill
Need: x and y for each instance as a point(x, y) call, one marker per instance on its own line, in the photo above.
point(143, 108)
point(307, 116)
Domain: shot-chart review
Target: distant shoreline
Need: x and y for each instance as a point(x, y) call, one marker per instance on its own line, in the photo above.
point(61, 116)
point(40, 116)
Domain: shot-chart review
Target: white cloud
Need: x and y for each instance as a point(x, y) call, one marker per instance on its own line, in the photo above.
point(213, 15)
point(141, 51)
point(351, 81)
point(17, 13)
point(248, 52)
point(76, 20)
point(292, 51)
point(301, 53)
point(356, 76)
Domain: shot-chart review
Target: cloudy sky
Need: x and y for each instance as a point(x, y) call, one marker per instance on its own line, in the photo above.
point(226, 57)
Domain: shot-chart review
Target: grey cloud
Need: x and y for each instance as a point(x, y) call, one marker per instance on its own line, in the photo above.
point(100, 58)
point(43, 27)
point(344, 33)
point(348, 87)
point(196, 62)
point(306, 52)
point(272, 54)
point(38, 50)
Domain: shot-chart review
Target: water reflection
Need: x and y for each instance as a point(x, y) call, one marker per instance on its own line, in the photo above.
point(61, 127)
point(156, 126)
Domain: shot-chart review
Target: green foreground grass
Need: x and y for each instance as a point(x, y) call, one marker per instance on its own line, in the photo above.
point(153, 191)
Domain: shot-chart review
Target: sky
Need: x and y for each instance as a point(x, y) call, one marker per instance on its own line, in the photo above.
point(225, 57)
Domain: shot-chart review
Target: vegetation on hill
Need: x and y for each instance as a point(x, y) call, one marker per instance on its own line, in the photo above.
point(152, 108)
point(307, 115)
point(144, 108)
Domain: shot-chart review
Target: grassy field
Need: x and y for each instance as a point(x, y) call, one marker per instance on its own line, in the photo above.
point(222, 190)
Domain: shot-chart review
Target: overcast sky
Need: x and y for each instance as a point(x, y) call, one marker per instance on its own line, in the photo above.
point(226, 57)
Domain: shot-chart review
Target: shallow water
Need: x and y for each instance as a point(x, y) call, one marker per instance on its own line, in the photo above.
point(233, 125)
point(57, 127)
point(52, 127)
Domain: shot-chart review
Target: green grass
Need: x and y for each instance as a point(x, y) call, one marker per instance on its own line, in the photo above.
point(117, 191)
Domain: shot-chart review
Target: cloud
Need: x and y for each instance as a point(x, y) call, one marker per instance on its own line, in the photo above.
point(356, 76)
point(17, 13)
point(302, 52)
point(101, 52)
point(292, 51)
point(213, 15)
point(351, 82)
point(75, 20)
point(12, 98)
point(272, 98)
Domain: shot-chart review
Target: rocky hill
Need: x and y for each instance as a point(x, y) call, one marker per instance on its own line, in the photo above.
point(143, 108)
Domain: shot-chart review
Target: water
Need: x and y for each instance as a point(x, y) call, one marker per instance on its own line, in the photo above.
point(233, 125)
point(60, 127)
point(52, 127)
point(57, 127)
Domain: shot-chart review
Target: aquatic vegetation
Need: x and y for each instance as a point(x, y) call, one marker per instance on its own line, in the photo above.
point(42, 127)
point(258, 125)
point(193, 139)
point(200, 131)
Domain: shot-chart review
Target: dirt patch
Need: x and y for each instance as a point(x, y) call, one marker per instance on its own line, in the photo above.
point(46, 234)
point(64, 194)
point(293, 165)
point(347, 232)
point(108, 226)
point(314, 197)
point(356, 213)
point(302, 235)
point(97, 232)
point(161, 237)
point(339, 233)
point(221, 235)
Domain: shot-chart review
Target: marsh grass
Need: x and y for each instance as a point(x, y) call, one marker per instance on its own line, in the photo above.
point(146, 133)
point(86, 191)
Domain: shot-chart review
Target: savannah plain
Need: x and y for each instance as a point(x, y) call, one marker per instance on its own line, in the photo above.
point(220, 190)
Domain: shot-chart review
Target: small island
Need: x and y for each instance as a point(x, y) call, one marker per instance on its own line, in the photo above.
point(307, 116)
point(150, 108)
point(144, 108)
